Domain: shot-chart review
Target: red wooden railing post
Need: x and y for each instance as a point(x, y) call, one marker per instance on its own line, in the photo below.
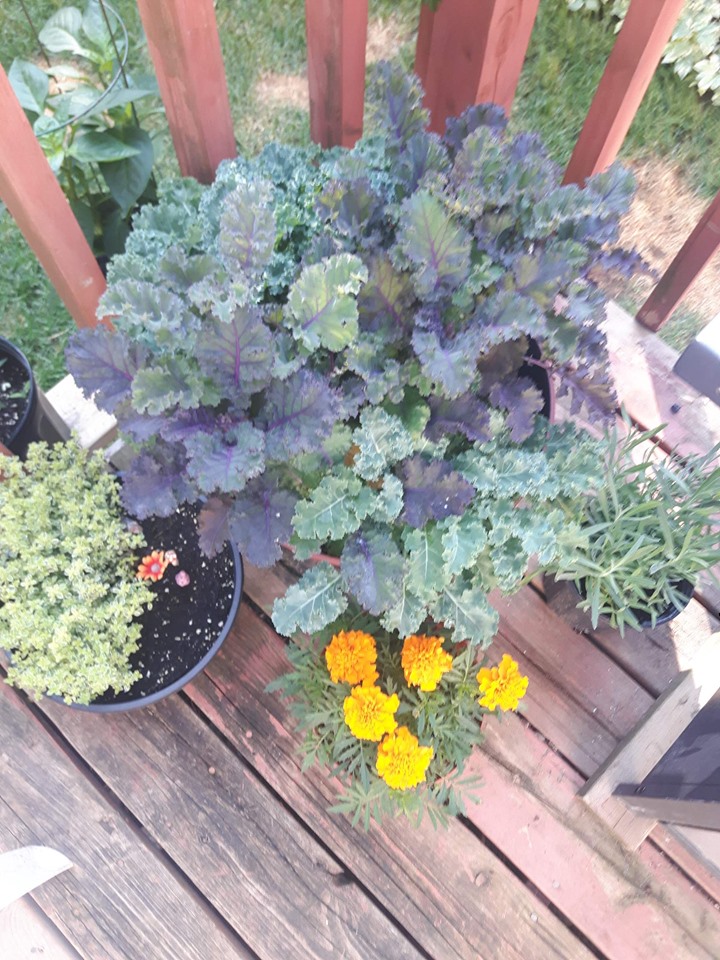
point(472, 51)
point(336, 36)
point(697, 250)
point(633, 61)
point(30, 191)
point(184, 45)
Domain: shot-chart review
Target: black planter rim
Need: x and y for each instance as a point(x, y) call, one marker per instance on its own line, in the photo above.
point(10, 350)
point(178, 684)
point(685, 587)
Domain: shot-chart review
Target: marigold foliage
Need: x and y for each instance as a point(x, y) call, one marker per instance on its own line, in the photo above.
point(424, 661)
point(401, 761)
point(370, 713)
point(68, 581)
point(351, 656)
point(502, 686)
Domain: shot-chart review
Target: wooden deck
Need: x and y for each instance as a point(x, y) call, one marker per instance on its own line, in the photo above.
point(194, 833)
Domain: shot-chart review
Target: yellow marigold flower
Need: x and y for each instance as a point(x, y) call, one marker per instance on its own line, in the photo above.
point(424, 661)
point(370, 713)
point(350, 657)
point(502, 686)
point(401, 761)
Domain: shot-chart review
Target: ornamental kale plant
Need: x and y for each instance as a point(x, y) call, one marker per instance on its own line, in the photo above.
point(384, 298)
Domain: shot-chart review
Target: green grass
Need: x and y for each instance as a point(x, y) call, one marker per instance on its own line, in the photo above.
point(565, 61)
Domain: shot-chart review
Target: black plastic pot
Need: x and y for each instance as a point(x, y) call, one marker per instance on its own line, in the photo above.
point(33, 424)
point(670, 612)
point(191, 606)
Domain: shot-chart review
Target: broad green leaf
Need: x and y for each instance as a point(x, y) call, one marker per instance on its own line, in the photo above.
point(84, 216)
point(95, 29)
point(426, 574)
point(466, 609)
point(30, 84)
point(382, 440)
point(101, 148)
point(61, 33)
point(127, 178)
point(321, 307)
point(312, 603)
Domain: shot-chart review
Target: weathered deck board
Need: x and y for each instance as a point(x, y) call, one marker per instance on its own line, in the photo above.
point(443, 907)
point(274, 883)
point(119, 901)
point(530, 810)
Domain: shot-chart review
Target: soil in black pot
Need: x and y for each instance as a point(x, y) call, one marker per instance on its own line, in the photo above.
point(14, 389)
point(185, 621)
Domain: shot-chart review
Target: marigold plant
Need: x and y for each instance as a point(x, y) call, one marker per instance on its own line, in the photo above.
point(395, 718)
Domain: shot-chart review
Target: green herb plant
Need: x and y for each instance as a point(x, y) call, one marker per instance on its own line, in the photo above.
point(81, 103)
point(653, 524)
point(70, 597)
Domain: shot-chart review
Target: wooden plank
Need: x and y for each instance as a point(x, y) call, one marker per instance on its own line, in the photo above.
point(469, 52)
point(634, 58)
point(699, 248)
point(26, 933)
point(119, 900)
point(275, 884)
point(637, 754)
point(93, 427)
point(32, 194)
point(445, 886)
point(529, 810)
point(685, 846)
point(183, 41)
point(336, 32)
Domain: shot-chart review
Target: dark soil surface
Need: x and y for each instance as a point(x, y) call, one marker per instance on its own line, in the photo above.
point(184, 622)
point(14, 385)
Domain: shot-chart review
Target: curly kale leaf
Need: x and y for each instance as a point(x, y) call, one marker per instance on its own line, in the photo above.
point(238, 354)
point(225, 462)
point(336, 507)
point(385, 301)
point(381, 440)
point(152, 315)
point(522, 401)
point(103, 365)
point(433, 491)
point(321, 306)
point(425, 564)
point(298, 415)
point(466, 415)
point(465, 608)
point(260, 520)
point(437, 246)
point(372, 569)
point(170, 383)
point(463, 540)
point(213, 530)
point(155, 483)
point(407, 614)
point(247, 229)
point(312, 603)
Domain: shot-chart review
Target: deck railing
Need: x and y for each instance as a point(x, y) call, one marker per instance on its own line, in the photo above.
point(468, 51)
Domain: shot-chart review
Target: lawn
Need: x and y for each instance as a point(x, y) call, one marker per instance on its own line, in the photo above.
point(565, 60)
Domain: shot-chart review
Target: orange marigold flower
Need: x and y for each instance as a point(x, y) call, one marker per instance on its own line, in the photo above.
point(424, 661)
point(502, 686)
point(153, 567)
point(370, 713)
point(401, 761)
point(350, 657)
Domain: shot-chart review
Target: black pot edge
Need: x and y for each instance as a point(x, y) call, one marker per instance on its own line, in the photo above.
point(9, 349)
point(669, 613)
point(191, 674)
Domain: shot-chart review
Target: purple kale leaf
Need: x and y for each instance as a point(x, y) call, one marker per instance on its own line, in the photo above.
point(372, 569)
point(186, 423)
point(481, 115)
point(103, 365)
point(247, 229)
point(225, 462)
point(450, 362)
point(260, 520)
point(522, 400)
point(213, 529)
point(433, 491)
point(155, 483)
point(466, 415)
point(238, 354)
point(385, 302)
point(437, 246)
point(298, 415)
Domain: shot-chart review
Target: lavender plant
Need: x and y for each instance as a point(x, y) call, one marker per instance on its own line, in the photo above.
point(312, 302)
